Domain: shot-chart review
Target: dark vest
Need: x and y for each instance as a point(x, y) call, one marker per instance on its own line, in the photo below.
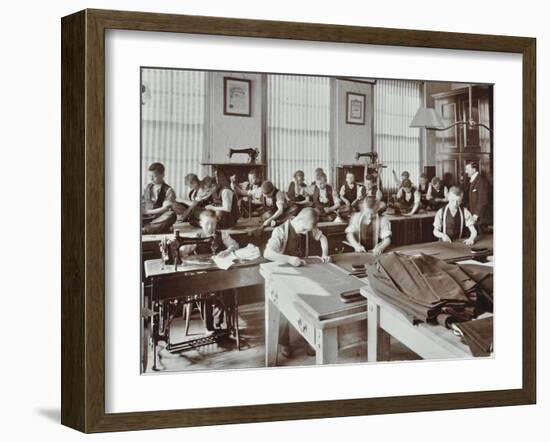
point(369, 233)
point(149, 204)
point(423, 191)
point(453, 226)
point(217, 200)
point(403, 201)
point(317, 196)
point(273, 200)
point(351, 194)
point(438, 193)
point(292, 194)
point(294, 243)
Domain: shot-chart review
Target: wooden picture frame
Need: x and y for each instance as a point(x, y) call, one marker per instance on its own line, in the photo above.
point(237, 97)
point(355, 108)
point(83, 220)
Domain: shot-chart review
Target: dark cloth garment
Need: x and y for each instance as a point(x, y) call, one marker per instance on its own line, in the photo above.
point(478, 335)
point(478, 198)
point(270, 209)
point(225, 219)
point(320, 206)
point(216, 245)
point(454, 226)
point(402, 201)
point(155, 224)
point(216, 309)
point(148, 202)
point(293, 195)
point(369, 233)
point(423, 190)
point(424, 287)
point(438, 193)
point(350, 193)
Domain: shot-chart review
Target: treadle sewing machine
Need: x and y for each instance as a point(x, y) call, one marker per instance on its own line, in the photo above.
point(175, 283)
point(252, 153)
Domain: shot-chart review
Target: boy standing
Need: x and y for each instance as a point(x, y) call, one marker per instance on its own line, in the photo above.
point(450, 221)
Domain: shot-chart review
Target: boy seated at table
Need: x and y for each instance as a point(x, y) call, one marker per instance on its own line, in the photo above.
point(188, 209)
point(249, 194)
point(222, 244)
point(351, 194)
point(452, 220)
point(404, 176)
point(225, 205)
point(157, 215)
point(423, 187)
point(275, 209)
point(369, 230)
point(437, 194)
point(325, 201)
point(297, 194)
point(286, 247)
point(407, 199)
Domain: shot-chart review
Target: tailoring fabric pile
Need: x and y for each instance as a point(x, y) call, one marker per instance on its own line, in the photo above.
point(428, 289)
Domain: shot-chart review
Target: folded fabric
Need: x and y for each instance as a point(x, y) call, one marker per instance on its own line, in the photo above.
point(248, 253)
point(478, 335)
point(428, 289)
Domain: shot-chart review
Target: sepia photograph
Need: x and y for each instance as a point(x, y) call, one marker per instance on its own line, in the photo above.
point(300, 220)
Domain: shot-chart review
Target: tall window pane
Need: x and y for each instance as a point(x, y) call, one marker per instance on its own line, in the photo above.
point(298, 126)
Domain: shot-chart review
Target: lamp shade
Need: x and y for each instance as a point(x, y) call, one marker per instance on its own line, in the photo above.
point(428, 118)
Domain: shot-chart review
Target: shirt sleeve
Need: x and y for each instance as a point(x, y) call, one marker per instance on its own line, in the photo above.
point(277, 240)
point(468, 218)
point(353, 226)
point(438, 220)
point(429, 192)
point(316, 233)
point(385, 228)
point(170, 196)
point(280, 200)
point(416, 197)
point(399, 193)
point(379, 195)
point(342, 191)
point(228, 241)
point(227, 199)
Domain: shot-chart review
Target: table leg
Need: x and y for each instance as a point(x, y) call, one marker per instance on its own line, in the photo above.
point(326, 346)
point(236, 319)
point(378, 340)
point(272, 318)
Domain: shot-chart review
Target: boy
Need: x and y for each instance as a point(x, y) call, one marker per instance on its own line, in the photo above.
point(351, 194)
point(274, 205)
point(249, 194)
point(189, 209)
point(369, 230)
point(407, 198)
point(449, 221)
point(423, 187)
point(297, 194)
point(156, 209)
point(285, 247)
point(437, 194)
point(222, 244)
point(325, 202)
point(225, 205)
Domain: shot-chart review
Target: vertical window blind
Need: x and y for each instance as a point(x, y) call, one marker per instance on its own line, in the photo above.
point(398, 145)
point(173, 123)
point(298, 127)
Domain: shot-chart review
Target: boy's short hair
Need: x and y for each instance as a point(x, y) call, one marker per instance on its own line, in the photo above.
point(455, 190)
point(473, 164)
point(406, 183)
point(253, 172)
point(322, 175)
point(157, 167)
point(406, 174)
point(191, 178)
point(267, 187)
point(298, 172)
point(436, 180)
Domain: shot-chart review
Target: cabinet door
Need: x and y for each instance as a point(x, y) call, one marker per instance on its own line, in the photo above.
point(476, 139)
point(447, 140)
point(448, 171)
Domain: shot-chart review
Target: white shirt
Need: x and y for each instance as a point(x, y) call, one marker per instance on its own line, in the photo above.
point(438, 220)
point(279, 237)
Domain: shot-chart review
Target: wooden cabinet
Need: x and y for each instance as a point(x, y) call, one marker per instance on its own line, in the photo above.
point(456, 146)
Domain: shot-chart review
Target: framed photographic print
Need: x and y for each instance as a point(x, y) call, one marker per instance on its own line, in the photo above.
point(355, 111)
point(320, 276)
point(237, 96)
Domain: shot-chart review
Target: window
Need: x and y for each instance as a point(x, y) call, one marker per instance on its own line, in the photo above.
point(398, 145)
point(298, 127)
point(173, 123)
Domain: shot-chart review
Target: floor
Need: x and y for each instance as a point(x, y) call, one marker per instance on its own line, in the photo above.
point(223, 355)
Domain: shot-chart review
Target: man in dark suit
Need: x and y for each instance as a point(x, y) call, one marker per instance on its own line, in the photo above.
point(478, 194)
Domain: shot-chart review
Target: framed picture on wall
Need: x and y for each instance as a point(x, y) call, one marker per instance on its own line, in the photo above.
point(237, 96)
point(355, 108)
point(269, 309)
